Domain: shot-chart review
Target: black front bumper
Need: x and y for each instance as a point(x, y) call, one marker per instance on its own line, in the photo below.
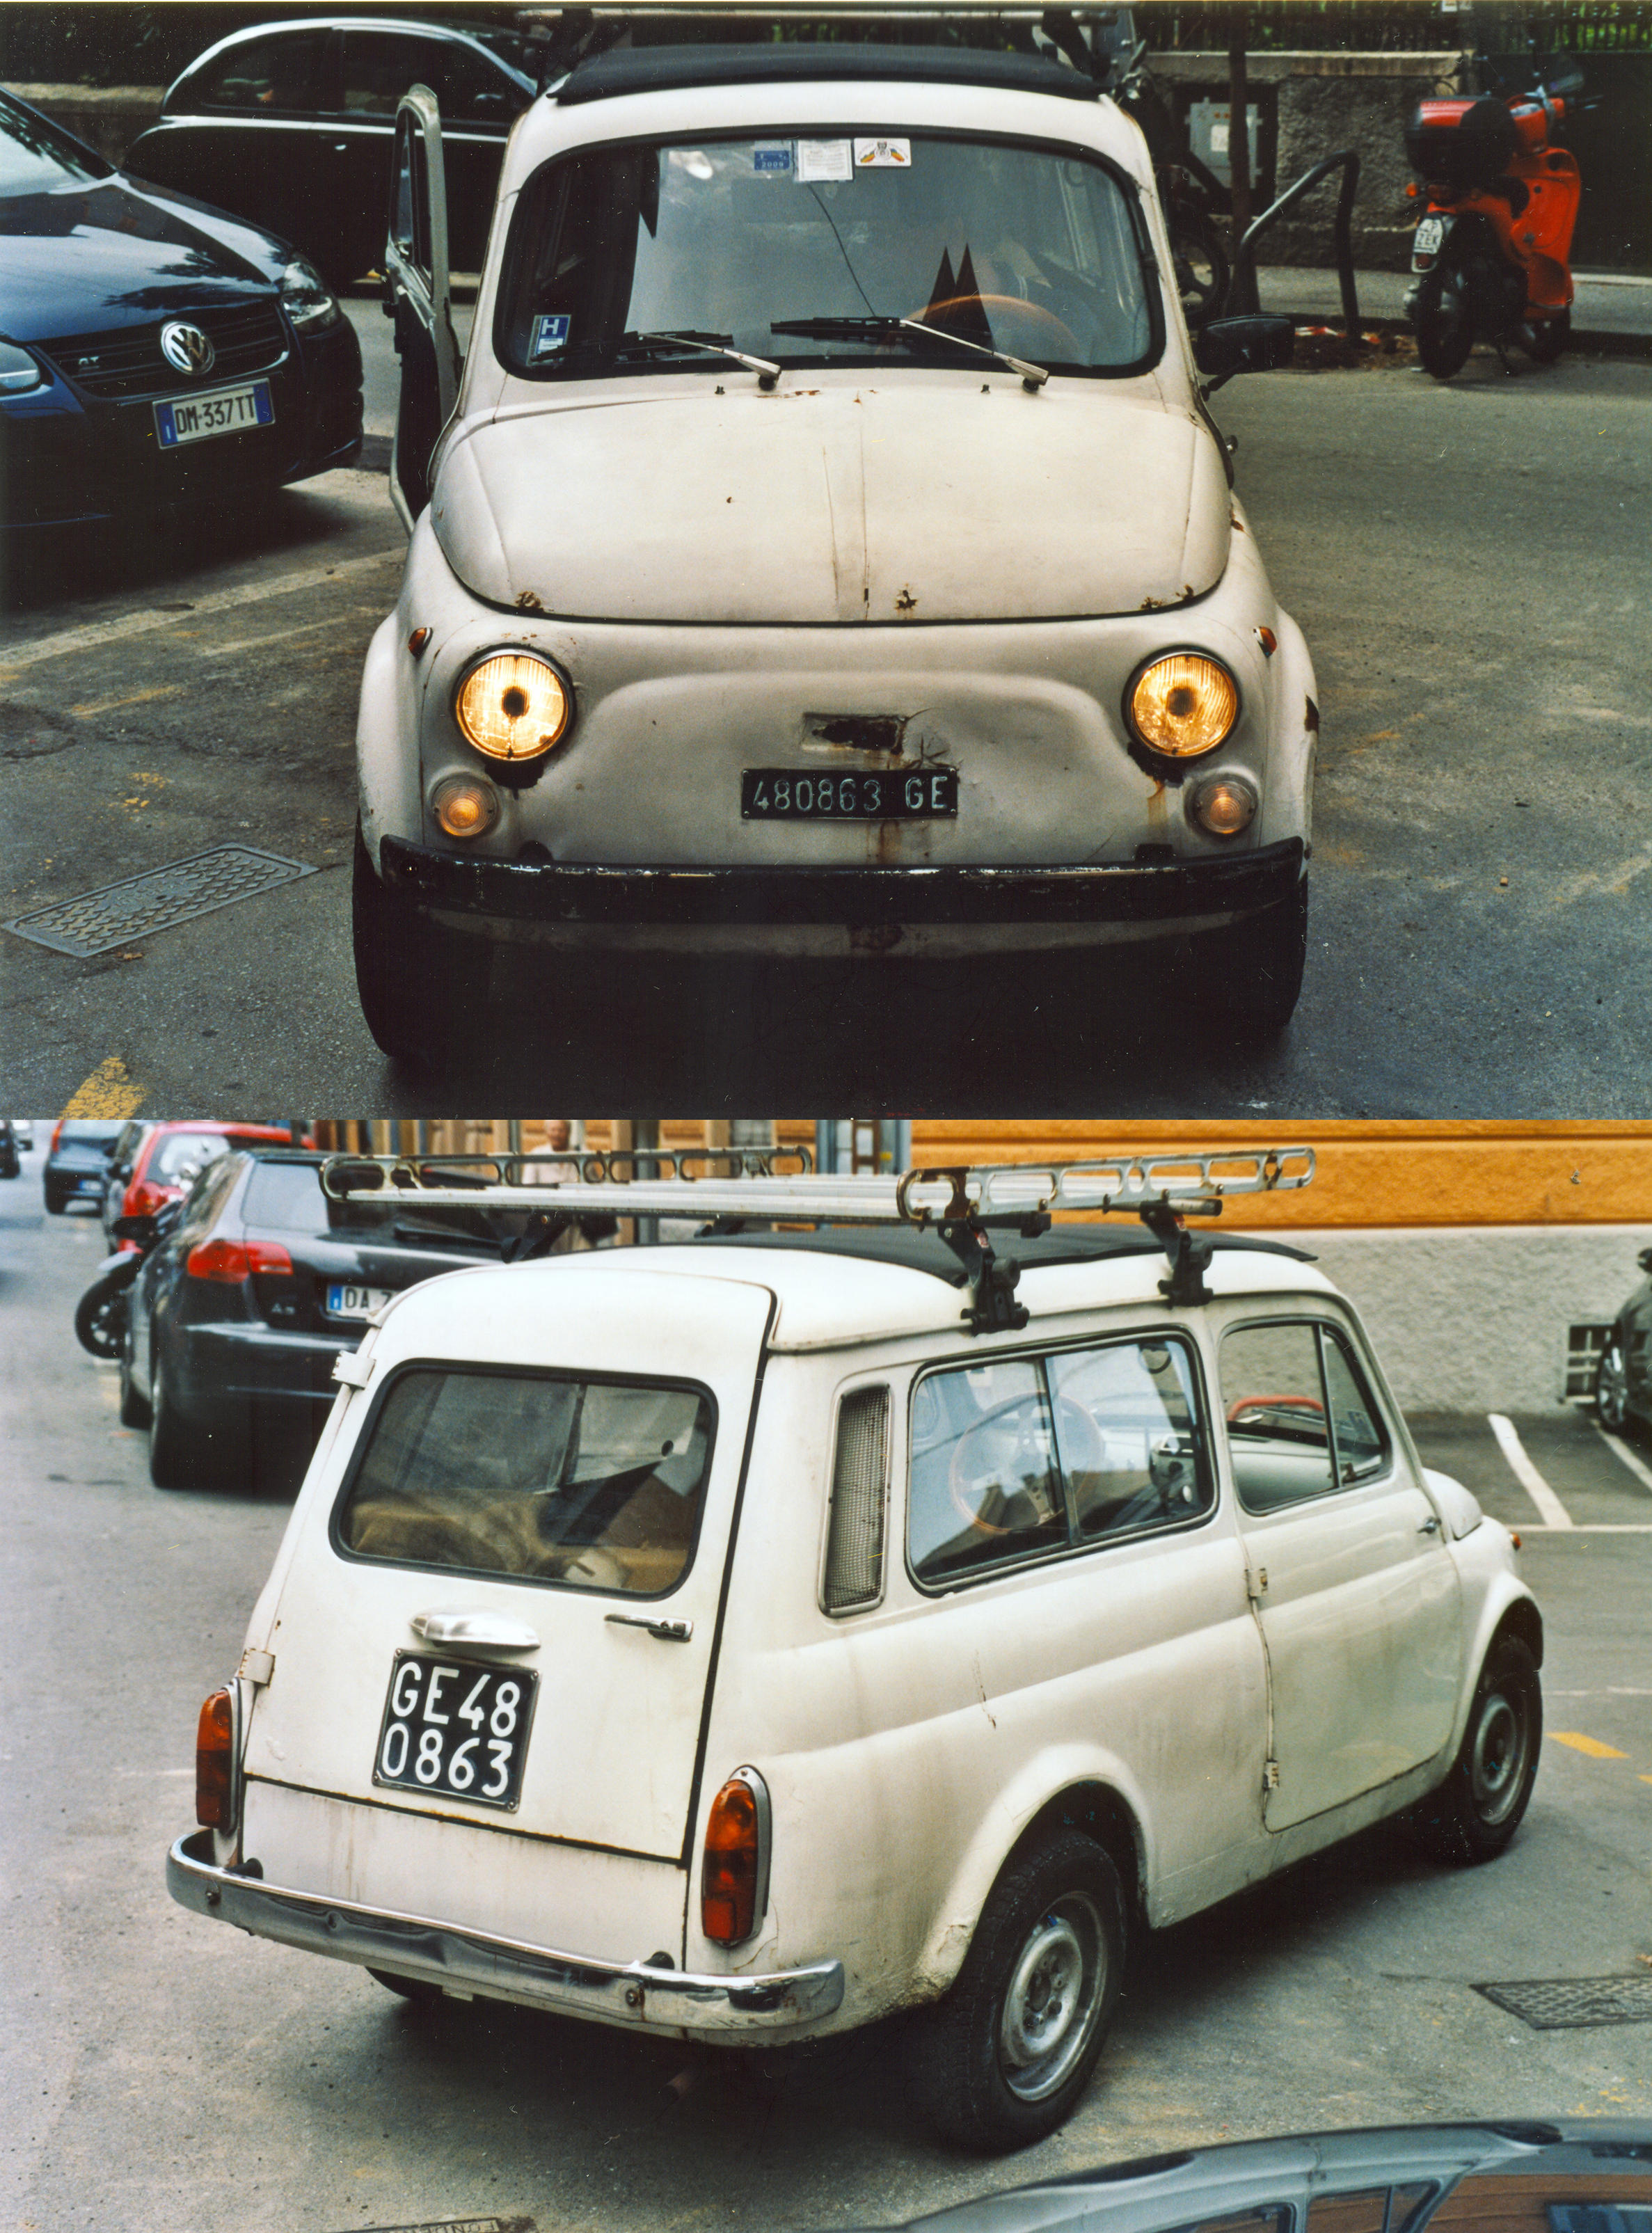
point(556, 891)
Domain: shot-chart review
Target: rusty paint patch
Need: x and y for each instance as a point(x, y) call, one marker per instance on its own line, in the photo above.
point(1236, 523)
point(1151, 604)
point(458, 2225)
point(905, 602)
point(528, 602)
point(860, 732)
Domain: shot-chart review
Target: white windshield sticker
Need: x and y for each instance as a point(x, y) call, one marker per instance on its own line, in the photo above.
point(775, 157)
point(822, 160)
point(549, 336)
point(883, 154)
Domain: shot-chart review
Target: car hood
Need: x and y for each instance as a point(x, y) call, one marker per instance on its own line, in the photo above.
point(920, 500)
point(94, 258)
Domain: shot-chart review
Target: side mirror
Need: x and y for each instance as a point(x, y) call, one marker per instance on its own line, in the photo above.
point(1229, 345)
point(140, 1229)
point(1644, 1260)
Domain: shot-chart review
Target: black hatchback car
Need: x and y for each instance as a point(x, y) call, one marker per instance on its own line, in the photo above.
point(152, 351)
point(238, 1315)
point(290, 125)
point(1624, 1383)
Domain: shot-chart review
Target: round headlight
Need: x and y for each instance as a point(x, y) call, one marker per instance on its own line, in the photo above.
point(513, 705)
point(1182, 704)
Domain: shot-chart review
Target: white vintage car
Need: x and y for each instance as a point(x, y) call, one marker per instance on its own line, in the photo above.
point(825, 547)
point(745, 1638)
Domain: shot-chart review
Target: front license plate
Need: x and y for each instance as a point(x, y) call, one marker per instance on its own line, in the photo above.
point(456, 1728)
point(784, 795)
point(226, 411)
point(343, 1302)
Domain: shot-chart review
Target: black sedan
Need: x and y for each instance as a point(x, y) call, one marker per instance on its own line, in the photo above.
point(240, 1313)
point(77, 1162)
point(290, 125)
point(1623, 1383)
point(152, 351)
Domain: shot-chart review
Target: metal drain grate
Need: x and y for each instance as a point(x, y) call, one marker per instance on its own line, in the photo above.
point(1561, 2003)
point(115, 914)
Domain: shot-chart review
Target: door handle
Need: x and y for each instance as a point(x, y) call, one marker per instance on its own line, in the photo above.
point(668, 1632)
point(1429, 1527)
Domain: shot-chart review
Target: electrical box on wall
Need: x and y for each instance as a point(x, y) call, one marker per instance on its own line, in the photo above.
point(1209, 130)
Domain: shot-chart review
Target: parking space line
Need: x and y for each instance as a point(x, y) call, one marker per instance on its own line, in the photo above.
point(250, 593)
point(1592, 1746)
point(348, 618)
point(1624, 1456)
point(1554, 1513)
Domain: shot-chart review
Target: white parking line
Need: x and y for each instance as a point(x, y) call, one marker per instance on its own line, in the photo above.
point(1625, 1455)
point(251, 593)
point(1555, 1513)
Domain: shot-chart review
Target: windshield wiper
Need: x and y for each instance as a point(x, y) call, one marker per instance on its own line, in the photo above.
point(1032, 376)
point(709, 344)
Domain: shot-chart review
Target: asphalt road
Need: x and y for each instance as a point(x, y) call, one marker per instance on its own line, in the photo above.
point(161, 2073)
point(1468, 562)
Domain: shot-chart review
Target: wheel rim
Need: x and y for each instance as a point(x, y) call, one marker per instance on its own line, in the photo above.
point(1497, 1765)
point(1053, 2001)
point(1611, 1394)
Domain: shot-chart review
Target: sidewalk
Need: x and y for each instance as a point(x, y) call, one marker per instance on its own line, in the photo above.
point(1611, 310)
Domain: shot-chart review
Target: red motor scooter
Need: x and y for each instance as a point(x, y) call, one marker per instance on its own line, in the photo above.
point(1491, 249)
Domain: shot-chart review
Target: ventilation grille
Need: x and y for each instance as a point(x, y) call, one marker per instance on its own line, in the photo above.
point(1583, 1346)
point(128, 361)
point(860, 1496)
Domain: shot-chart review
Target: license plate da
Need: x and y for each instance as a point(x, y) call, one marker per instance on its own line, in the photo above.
point(347, 1302)
point(1428, 237)
point(225, 411)
point(456, 1729)
point(927, 794)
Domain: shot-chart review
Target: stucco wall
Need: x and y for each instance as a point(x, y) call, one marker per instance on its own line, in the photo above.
point(1477, 1320)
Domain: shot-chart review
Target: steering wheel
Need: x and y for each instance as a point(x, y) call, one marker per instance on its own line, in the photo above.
point(1259, 1410)
point(1051, 334)
point(1008, 1443)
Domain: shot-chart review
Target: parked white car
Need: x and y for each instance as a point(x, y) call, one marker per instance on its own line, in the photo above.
point(748, 1637)
point(826, 547)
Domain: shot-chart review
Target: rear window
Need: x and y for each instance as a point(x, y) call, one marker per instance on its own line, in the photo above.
point(595, 1484)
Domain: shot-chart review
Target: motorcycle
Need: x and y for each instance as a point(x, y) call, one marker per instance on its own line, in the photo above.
point(101, 1314)
point(1490, 250)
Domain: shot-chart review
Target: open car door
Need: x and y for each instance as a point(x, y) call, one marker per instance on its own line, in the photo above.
point(417, 297)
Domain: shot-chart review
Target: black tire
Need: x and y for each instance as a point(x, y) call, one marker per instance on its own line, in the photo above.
point(55, 1200)
point(1254, 969)
point(100, 1316)
point(1201, 264)
point(134, 1404)
point(180, 1455)
point(1003, 2059)
point(1543, 339)
point(421, 988)
point(419, 1990)
point(1477, 1809)
point(1612, 1387)
point(1443, 323)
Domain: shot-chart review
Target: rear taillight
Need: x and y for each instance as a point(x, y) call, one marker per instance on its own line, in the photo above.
point(144, 1200)
point(734, 1875)
point(215, 1762)
point(231, 1261)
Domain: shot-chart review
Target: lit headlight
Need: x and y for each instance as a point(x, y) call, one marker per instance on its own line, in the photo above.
point(1182, 704)
point(307, 298)
point(513, 705)
point(18, 371)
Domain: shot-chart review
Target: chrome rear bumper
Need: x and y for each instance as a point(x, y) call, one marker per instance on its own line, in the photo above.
point(631, 1993)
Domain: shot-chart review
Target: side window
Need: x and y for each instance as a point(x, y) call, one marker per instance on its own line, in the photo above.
point(209, 1194)
point(380, 66)
point(281, 73)
point(410, 197)
point(1273, 1398)
point(1356, 1424)
point(854, 1576)
point(1025, 1455)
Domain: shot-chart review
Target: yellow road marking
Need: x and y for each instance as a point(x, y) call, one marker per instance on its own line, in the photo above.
point(1592, 1746)
point(108, 1092)
point(138, 698)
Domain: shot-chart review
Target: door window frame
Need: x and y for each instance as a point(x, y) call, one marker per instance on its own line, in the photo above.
point(1376, 1469)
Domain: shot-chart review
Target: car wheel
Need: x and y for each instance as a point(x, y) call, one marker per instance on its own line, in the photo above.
point(134, 1404)
point(1002, 2060)
point(1543, 339)
point(419, 1990)
point(1612, 1389)
point(1443, 323)
point(1252, 971)
point(54, 1201)
point(1477, 1809)
point(180, 1455)
point(420, 987)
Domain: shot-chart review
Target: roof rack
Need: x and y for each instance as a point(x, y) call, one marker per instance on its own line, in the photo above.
point(962, 1203)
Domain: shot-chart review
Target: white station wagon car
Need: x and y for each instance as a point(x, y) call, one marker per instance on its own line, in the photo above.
point(747, 1639)
point(825, 550)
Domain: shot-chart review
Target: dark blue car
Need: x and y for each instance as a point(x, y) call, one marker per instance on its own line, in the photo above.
point(152, 351)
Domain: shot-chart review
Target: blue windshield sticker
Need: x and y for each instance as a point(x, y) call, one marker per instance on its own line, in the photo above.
point(549, 336)
point(773, 157)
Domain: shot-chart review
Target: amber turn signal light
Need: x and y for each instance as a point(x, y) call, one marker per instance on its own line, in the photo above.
point(734, 1888)
point(214, 1762)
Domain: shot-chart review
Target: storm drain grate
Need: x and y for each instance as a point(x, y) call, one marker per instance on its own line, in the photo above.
point(115, 914)
point(1560, 2004)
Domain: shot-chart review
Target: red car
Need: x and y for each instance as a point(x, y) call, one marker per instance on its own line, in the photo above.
point(169, 1155)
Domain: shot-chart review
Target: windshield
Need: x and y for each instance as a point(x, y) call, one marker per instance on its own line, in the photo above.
point(800, 250)
point(35, 156)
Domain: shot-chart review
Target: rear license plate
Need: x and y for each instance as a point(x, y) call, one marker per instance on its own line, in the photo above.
point(457, 1729)
point(344, 1302)
point(226, 411)
point(1429, 236)
point(784, 795)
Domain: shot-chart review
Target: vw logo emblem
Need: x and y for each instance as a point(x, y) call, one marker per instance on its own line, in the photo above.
point(186, 348)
